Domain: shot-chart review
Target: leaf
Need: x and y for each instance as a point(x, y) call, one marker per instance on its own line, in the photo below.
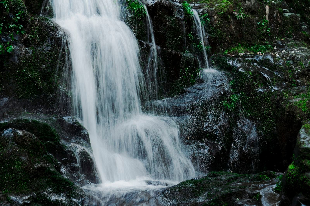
point(10, 49)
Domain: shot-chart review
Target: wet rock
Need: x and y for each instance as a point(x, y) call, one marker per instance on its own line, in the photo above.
point(27, 168)
point(39, 167)
point(220, 188)
point(87, 167)
point(33, 72)
point(177, 43)
point(38, 7)
point(73, 128)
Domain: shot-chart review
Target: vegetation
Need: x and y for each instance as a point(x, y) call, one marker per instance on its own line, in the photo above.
point(220, 6)
point(187, 9)
point(13, 18)
point(33, 71)
point(136, 8)
point(33, 55)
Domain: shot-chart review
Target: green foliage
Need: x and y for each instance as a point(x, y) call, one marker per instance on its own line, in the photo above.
point(205, 20)
point(221, 6)
point(263, 28)
point(264, 177)
point(307, 127)
point(36, 73)
point(12, 23)
point(240, 14)
point(188, 76)
point(137, 8)
point(187, 9)
point(303, 102)
point(232, 102)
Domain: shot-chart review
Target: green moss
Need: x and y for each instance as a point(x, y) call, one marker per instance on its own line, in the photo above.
point(217, 188)
point(36, 73)
point(189, 72)
point(137, 19)
point(293, 178)
point(279, 185)
point(26, 165)
point(42, 130)
point(262, 48)
point(307, 127)
point(303, 102)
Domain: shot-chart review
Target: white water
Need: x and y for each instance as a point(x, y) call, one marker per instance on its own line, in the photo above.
point(151, 72)
point(126, 143)
point(201, 32)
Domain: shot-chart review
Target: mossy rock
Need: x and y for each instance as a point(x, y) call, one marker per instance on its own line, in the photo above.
point(28, 169)
point(250, 25)
point(33, 56)
point(42, 130)
point(221, 188)
point(252, 97)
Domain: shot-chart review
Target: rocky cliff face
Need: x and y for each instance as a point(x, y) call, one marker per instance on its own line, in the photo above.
point(243, 115)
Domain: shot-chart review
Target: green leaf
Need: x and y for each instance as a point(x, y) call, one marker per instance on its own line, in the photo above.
point(10, 49)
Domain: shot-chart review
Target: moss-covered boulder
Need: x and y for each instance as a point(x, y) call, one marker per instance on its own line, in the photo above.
point(29, 172)
point(38, 167)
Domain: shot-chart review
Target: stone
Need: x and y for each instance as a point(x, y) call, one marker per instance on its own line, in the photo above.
point(302, 150)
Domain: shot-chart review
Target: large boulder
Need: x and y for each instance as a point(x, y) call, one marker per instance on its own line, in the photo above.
point(40, 167)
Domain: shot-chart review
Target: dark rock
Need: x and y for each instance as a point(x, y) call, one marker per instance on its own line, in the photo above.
point(38, 167)
point(33, 72)
point(220, 188)
point(38, 7)
point(73, 128)
point(87, 166)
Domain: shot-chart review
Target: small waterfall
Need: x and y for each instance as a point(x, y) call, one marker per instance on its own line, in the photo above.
point(126, 143)
point(201, 33)
point(151, 72)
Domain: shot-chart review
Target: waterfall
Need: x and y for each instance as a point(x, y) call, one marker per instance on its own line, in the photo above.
point(201, 33)
point(152, 64)
point(126, 143)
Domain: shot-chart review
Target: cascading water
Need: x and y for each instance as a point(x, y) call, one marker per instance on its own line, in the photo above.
point(126, 143)
point(207, 74)
point(152, 64)
point(201, 33)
